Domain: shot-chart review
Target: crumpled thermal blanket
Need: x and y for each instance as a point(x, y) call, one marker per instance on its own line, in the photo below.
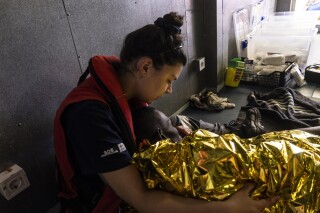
point(212, 167)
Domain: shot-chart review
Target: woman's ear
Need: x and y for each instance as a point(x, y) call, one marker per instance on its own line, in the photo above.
point(143, 65)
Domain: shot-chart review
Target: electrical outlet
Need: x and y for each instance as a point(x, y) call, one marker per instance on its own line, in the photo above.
point(201, 63)
point(12, 181)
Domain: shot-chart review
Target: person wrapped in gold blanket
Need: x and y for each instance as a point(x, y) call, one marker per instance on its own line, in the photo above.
point(208, 166)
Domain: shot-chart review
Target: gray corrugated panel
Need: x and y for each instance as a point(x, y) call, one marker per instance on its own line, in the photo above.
point(38, 65)
point(99, 27)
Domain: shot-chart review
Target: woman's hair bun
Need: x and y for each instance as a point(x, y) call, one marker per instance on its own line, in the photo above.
point(174, 18)
point(161, 41)
point(170, 22)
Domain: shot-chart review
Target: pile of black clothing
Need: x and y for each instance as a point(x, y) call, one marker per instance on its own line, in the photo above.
point(283, 109)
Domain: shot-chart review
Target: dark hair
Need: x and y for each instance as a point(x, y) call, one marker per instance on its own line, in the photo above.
point(153, 125)
point(161, 42)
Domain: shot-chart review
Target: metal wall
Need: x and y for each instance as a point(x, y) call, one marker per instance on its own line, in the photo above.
point(38, 65)
point(44, 47)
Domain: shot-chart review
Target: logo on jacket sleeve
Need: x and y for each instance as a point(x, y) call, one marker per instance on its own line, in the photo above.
point(119, 148)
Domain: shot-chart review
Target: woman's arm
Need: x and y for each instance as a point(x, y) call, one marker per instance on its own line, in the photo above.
point(129, 186)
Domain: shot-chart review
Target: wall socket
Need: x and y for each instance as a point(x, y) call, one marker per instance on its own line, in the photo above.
point(200, 63)
point(13, 180)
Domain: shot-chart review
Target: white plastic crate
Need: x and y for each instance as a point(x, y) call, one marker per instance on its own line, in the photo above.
point(286, 32)
point(294, 47)
point(306, 19)
point(302, 15)
point(291, 23)
point(311, 17)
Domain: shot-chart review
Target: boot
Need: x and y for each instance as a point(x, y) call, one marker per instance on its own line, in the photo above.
point(236, 128)
point(252, 123)
point(201, 101)
point(210, 101)
point(250, 127)
point(216, 102)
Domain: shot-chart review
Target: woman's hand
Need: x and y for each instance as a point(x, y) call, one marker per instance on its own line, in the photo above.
point(241, 202)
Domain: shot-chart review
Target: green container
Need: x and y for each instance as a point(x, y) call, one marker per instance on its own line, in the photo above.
point(237, 63)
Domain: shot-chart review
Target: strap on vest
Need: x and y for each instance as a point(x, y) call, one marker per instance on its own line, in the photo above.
point(83, 76)
point(120, 118)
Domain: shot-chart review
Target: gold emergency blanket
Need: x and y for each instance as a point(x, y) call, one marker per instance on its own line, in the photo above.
point(211, 167)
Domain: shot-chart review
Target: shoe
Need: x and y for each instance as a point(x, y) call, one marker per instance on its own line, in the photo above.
point(228, 105)
point(250, 127)
point(236, 128)
point(195, 101)
point(252, 124)
point(218, 103)
point(213, 101)
point(210, 101)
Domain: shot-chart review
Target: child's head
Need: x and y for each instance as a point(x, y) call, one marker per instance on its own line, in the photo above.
point(152, 124)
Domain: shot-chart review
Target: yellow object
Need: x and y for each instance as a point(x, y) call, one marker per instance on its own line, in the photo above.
point(212, 167)
point(233, 76)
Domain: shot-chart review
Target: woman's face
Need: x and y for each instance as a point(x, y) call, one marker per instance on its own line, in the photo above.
point(155, 83)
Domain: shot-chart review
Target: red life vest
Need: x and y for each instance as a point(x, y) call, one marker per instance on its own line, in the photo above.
point(90, 89)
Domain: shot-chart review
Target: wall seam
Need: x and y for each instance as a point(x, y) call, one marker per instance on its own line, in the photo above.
point(187, 38)
point(72, 36)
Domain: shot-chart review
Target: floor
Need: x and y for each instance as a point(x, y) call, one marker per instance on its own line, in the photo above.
point(238, 96)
